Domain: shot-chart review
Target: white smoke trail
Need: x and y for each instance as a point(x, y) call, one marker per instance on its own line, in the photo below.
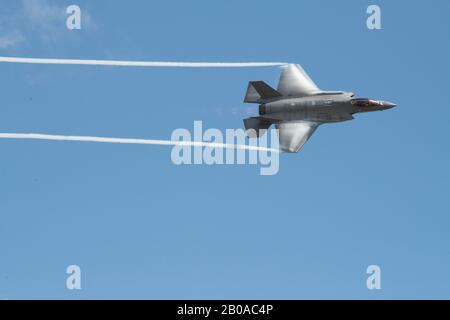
point(163, 64)
point(39, 136)
point(135, 64)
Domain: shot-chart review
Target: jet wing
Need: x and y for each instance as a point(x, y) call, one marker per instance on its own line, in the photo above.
point(294, 134)
point(295, 82)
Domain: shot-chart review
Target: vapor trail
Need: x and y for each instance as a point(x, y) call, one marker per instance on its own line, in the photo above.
point(39, 136)
point(163, 64)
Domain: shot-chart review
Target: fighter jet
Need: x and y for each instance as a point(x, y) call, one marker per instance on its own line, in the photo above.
point(298, 107)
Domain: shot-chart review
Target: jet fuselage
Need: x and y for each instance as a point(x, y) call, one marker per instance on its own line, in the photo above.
point(322, 107)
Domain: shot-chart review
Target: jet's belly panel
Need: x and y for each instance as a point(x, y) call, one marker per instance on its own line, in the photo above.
point(328, 114)
point(318, 113)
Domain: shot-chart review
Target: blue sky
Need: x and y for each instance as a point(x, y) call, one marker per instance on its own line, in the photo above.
point(370, 191)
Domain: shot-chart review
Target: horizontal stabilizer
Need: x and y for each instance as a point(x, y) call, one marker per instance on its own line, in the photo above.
point(256, 126)
point(259, 91)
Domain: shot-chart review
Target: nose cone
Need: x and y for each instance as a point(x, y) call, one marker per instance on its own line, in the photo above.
point(388, 104)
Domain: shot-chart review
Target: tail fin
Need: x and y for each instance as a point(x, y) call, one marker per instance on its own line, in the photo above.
point(256, 126)
point(259, 91)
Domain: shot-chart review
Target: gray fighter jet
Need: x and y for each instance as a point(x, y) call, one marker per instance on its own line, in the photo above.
point(298, 107)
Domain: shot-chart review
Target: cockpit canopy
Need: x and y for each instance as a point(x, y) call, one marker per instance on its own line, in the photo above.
point(363, 102)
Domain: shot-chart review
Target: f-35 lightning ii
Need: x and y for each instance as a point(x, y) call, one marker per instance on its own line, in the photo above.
point(297, 107)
